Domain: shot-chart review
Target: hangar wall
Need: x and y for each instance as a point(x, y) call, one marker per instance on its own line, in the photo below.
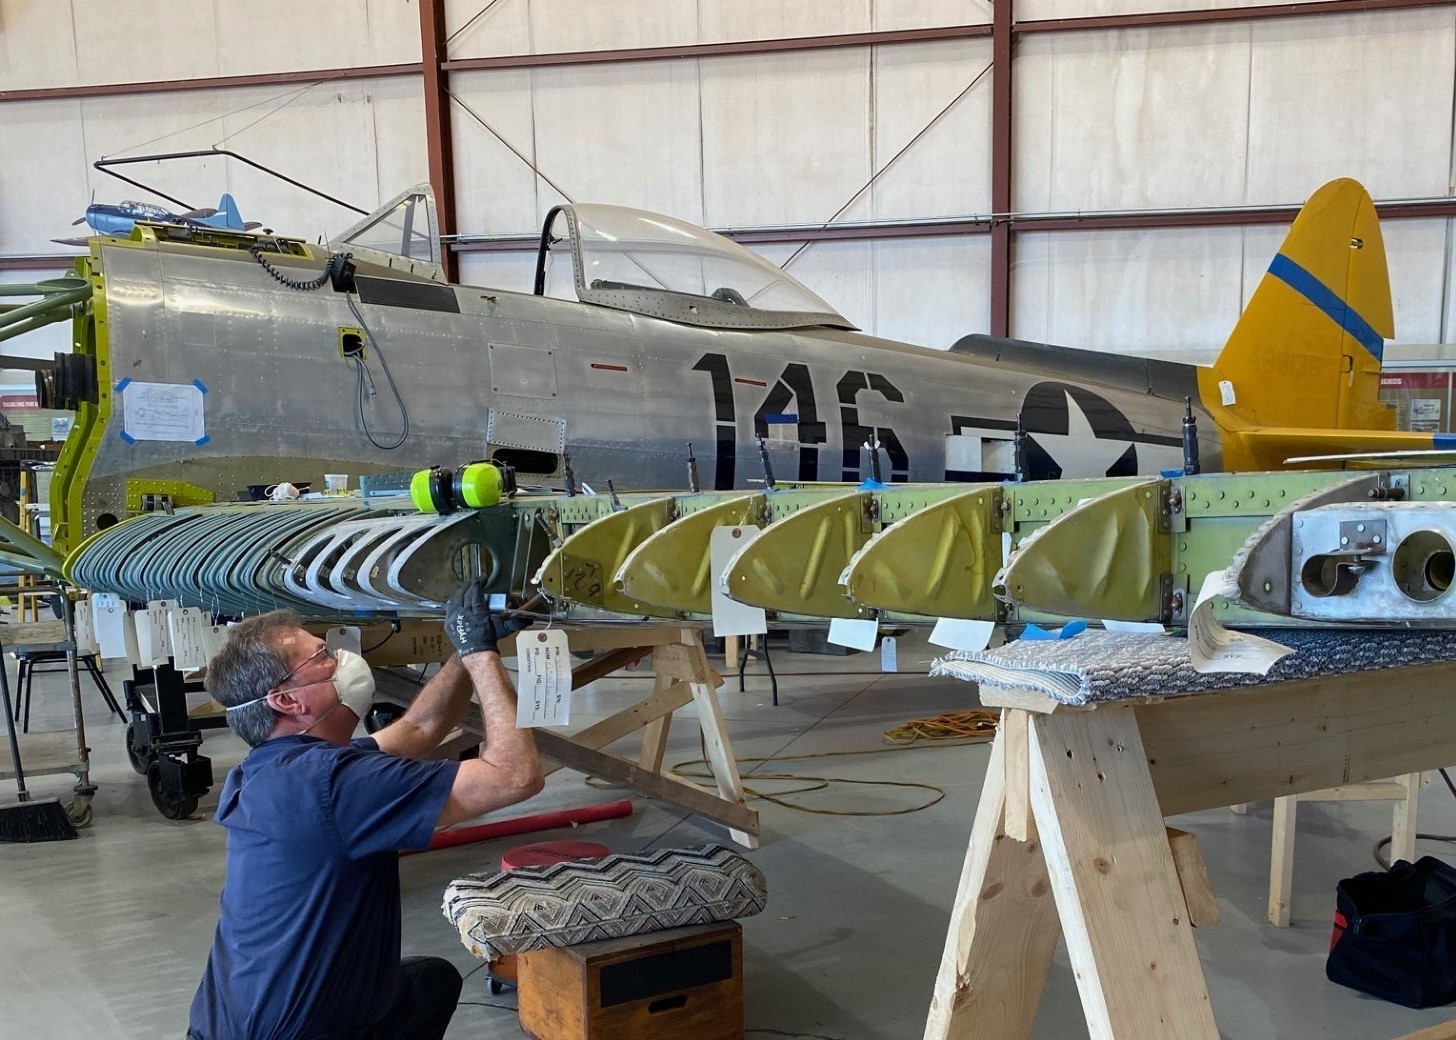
point(555, 98)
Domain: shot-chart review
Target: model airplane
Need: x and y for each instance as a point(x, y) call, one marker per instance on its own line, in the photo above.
point(119, 219)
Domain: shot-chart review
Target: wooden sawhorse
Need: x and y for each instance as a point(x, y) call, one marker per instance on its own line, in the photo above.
point(1069, 835)
point(683, 676)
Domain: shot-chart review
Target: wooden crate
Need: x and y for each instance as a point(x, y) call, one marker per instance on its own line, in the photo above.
point(679, 984)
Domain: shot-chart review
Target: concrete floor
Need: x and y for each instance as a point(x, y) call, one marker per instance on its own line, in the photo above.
point(105, 937)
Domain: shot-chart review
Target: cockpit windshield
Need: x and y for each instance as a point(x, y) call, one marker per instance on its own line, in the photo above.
point(667, 268)
point(402, 235)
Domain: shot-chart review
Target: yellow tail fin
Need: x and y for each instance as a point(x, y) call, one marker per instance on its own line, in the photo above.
point(1307, 350)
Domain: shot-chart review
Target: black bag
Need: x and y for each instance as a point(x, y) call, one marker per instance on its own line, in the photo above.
point(1395, 934)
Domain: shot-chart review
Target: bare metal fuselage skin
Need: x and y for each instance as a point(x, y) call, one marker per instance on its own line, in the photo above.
point(626, 392)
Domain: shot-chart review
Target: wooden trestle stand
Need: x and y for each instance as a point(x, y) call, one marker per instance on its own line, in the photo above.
point(1069, 835)
point(683, 676)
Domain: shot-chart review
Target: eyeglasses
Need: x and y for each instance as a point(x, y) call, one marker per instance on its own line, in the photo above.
point(324, 651)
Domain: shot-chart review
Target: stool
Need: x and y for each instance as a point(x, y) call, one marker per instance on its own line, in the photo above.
point(757, 646)
point(677, 984)
point(30, 661)
point(503, 971)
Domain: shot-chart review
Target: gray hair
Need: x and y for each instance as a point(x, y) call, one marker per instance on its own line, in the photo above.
point(249, 665)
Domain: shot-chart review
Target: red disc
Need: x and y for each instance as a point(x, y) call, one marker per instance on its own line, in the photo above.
point(545, 853)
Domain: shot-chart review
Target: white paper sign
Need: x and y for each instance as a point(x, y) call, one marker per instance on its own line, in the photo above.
point(544, 683)
point(731, 618)
point(962, 634)
point(184, 632)
point(1214, 648)
point(889, 658)
point(344, 637)
point(85, 634)
point(853, 632)
point(161, 411)
point(112, 626)
point(1226, 393)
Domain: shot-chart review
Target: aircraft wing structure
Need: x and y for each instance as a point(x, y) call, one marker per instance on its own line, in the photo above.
point(1305, 547)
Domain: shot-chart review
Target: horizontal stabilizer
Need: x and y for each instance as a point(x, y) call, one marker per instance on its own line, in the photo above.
point(1279, 446)
point(1170, 380)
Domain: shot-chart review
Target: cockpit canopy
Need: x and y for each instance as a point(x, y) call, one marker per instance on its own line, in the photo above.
point(642, 262)
point(613, 256)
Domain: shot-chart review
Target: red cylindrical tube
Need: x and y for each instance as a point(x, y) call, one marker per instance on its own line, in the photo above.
point(526, 825)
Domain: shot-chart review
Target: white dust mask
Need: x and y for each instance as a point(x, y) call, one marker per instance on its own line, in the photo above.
point(354, 682)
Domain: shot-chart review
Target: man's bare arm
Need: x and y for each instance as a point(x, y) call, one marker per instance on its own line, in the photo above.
point(436, 711)
point(508, 770)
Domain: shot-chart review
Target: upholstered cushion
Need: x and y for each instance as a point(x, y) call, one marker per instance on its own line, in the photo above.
point(529, 908)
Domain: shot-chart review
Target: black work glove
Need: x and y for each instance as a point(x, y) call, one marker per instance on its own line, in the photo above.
point(470, 623)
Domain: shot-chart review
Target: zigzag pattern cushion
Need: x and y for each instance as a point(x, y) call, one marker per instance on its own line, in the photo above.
point(562, 904)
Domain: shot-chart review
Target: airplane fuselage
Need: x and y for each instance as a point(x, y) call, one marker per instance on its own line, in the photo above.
point(622, 393)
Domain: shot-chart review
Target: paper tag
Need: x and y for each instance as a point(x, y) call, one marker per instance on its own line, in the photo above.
point(214, 637)
point(731, 618)
point(1214, 648)
point(888, 656)
point(109, 623)
point(962, 634)
point(1113, 625)
point(344, 637)
point(184, 634)
point(129, 634)
point(156, 620)
point(853, 632)
point(544, 684)
point(85, 634)
point(144, 650)
point(1226, 392)
point(153, 644)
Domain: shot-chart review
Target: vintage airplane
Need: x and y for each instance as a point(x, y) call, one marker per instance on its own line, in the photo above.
point(106, 219)
point(270, 359)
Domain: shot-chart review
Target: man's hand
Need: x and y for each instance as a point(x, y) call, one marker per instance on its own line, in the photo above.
point(472, 626)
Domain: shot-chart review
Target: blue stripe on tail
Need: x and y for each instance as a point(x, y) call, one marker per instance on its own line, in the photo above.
point(1317, 293)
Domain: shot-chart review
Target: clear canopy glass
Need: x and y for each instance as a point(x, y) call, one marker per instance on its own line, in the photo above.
point(646, 262)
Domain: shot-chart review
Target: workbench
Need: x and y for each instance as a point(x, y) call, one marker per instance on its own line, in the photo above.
point(1104, 735)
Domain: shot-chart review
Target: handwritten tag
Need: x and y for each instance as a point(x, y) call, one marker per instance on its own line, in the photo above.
point(129, 633)
point(544, 688)
point(153, 642)
point(344, 637)
point(1214, 648)
point(731, 618)
point(889, 661)
point(184, 634)
point(85, 634)
point(853, 632)
point(214, 638)
point(962, 634)
point(111, 625)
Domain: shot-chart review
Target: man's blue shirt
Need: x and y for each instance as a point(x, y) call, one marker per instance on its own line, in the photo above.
point(308, 937)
